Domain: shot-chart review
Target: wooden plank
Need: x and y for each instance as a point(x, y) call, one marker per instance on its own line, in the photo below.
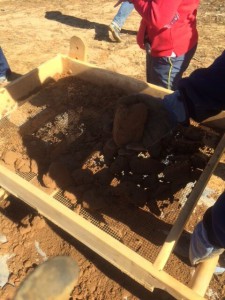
point(3, 194)
point(28, 84)
point(103, 244)
point(190, 204)
point(203, 274)
point(99, 76)
point(77, 49)
point(33, 80)
point(217, 122)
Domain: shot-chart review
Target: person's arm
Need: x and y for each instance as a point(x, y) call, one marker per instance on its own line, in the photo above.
point(157, 13)
point(201, 95)
point(196, 98)
point(204, 90)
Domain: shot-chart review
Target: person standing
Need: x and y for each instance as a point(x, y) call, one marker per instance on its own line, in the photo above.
point(119, 20)
point(168, 33)
point(4, 68)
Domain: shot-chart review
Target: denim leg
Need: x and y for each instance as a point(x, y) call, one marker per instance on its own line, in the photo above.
point(123, 13)
point(200, 247)
point(4, 66)
point(179, 66)
point(157, 69)
point(167, 71)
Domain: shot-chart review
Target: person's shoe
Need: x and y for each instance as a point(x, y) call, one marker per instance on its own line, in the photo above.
point(3, 81)
point(115, 30)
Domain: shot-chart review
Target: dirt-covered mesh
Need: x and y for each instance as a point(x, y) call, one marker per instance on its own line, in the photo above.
point(61, 141)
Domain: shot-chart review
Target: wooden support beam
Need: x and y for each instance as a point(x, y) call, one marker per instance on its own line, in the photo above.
point(99, 76)
point(203, 274)
point(11, 96)
point(78, 49)
point(103, 244)
point(3, 194)
point(190, 204)
point(217, 121)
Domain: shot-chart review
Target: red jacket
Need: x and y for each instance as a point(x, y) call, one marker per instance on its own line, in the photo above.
point(169, 25)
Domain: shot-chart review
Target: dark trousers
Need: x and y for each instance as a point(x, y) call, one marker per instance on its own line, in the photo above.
point(4, 66)
point(167, 71)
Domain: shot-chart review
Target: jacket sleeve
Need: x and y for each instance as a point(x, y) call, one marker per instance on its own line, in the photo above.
point(158, 13)
point(204, 90)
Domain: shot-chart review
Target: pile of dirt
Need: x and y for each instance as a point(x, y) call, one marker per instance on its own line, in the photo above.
point(68, 142)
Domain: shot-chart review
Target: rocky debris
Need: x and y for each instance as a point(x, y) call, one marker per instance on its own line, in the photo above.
point(129, 123)
point(181, 146)
point(57, 176)
point(107, 122)
point(25, 166)
point(151, 181)
point(49, 182)
point(193, 133)
point(177, 172)
point(34, 166)
point(71, 195)
point(144, 166)
point(82, 176)
point(11, 157)
point(103, 177)
point(93, 200)
point(94, 161)
point(128, 192)
point(38, 222)
point(120, 164)
point(199, 160)
point(110, 149)
point(59, 149)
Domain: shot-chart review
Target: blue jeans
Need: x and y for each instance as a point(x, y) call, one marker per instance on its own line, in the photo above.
point(123, 13)
point(4, 66)
point(200, 247)
point(167, 71)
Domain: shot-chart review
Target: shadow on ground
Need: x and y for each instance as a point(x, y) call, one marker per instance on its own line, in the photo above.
point(101, 30)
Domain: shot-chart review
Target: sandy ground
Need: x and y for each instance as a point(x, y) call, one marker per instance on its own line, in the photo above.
point(32, 33)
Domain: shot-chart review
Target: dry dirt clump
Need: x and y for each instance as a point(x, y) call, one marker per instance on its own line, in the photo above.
point(129, 122)
point(129, 192)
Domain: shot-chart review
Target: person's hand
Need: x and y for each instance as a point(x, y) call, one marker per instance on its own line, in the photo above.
point(141, 122)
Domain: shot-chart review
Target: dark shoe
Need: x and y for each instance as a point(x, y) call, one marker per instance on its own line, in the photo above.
point(115, 30)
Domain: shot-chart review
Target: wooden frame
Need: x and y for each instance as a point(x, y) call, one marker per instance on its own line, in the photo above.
point(148, 274)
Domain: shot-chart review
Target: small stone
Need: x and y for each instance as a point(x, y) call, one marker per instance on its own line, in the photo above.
point(38, 222)
point(24, 230)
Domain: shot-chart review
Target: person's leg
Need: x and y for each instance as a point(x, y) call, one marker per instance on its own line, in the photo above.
point(179, 66)
point(200, 246)
point(123, 13)
point(157, 69)
point(167, 71)
point(119, 20)
point(4, 66)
